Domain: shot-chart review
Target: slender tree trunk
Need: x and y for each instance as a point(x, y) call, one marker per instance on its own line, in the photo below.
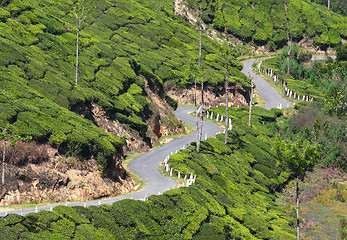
point(201, 116)
point(297, 210)
point(195, 93)
point(199, 61)
point(226, 103)
point(196, 113)
point(289, 40)
point(3, 163)
point(288, 63)
point(288, 55)
point(77, 43)
point(226, 91)
point(250, 106)
point(198, 129)
point(328, 4)
point(200, 44)
point(79, 19)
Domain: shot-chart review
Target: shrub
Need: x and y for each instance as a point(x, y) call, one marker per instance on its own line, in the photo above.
point(63, 227)
point(341, 52)
point(53, 25)
point(22, 153)
point(172, 102)
point(70, 214)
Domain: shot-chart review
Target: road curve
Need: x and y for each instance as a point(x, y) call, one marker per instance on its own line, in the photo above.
point(145, 166)
point(266, 91)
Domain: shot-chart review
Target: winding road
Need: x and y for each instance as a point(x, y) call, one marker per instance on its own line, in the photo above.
point(146, 165)
point(266, 91)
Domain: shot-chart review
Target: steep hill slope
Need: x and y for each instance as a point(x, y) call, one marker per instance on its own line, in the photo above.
point(271, 22)
point(128, 50)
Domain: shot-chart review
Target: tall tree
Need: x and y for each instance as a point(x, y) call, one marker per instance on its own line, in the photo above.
point(199, 128)
point(250, 105)
point(226, 101)
point(79, 18)
point(289, 38)
point(299, 157)
point(201, 116)
point(226, 87)
point(200, 46)
point(4, 130)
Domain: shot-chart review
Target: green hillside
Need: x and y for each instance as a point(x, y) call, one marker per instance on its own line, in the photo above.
point(267, 22)
point(124, 46)
point(233, 197)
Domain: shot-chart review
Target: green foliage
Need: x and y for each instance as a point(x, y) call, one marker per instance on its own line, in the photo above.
point(321, 122)
point(266, 22)
point(232, 198)
point(172, 102)
point(124, 46)
point(302, 80)
point(314, 124)
point(300, 157)
point(341, 53)
point(70, 214)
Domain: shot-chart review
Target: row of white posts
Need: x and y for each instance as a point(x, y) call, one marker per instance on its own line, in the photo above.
point(51, 208)
point(190, 179)
point(219, 118)
point(289, 93)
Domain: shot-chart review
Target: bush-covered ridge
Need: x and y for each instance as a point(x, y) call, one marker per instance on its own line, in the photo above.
point(233, 197)
point(121, 43)
point(266, 22)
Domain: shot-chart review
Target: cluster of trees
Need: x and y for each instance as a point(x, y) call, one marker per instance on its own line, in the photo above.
point(323, 121)
point(233, 197)
point(274, 22)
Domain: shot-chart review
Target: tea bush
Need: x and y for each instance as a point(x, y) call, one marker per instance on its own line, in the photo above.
point(124, 46)
point(233, 197)
point(267, 22)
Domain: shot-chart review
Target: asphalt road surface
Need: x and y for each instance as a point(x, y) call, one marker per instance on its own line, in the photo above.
point(267, 92)
point(146, 166)
point(272, 98)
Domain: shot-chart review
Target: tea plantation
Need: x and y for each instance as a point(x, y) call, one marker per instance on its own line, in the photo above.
point(124, 46)
point(269, 21)
point(233, 197)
